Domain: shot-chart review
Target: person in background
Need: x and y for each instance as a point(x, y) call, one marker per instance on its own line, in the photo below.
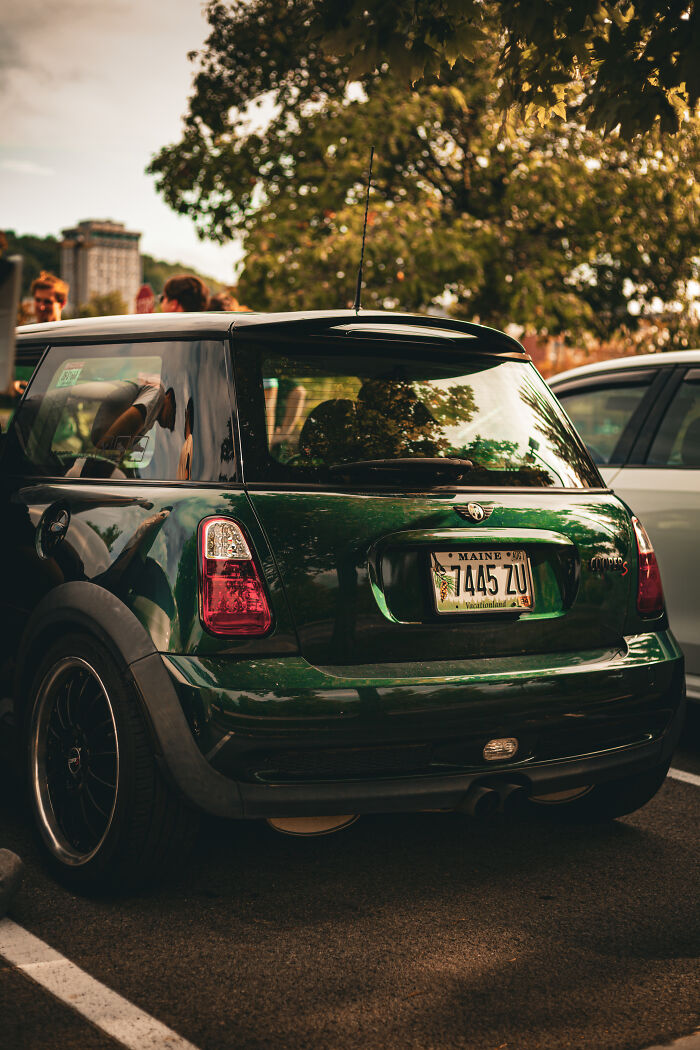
point(50, 296)
point(184, 293)
point(224, 301)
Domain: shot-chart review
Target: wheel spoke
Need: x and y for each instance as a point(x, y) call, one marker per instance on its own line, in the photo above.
point(80, 697)
point(69, 819)
point(89, 701)
point(95, 834)
point(76, 757)
point(105, 783)
point(58, 712)
point(68, 692)
point(95, 803)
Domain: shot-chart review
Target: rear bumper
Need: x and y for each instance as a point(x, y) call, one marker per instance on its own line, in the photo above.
point(273, 738)
point(435, 792)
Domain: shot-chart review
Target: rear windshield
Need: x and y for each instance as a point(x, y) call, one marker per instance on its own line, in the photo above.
point(157, 411)
point(426, 417)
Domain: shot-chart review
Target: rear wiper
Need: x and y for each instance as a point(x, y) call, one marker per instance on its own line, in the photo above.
point(435, 466)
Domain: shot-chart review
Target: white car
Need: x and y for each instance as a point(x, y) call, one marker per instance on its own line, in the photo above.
point(640, 418)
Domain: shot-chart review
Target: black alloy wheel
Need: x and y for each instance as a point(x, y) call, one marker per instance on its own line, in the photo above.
point(106, 818)
point(74, 760)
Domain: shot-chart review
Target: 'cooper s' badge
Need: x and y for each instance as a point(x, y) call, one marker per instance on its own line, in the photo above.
point(474, 511)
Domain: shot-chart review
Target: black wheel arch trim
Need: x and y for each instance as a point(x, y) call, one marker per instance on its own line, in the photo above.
point(84, 606)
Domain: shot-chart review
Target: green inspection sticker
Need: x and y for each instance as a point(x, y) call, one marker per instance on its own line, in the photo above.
point(70, 374)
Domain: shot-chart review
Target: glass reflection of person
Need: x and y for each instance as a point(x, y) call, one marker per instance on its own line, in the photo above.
point(294, 406)
point(270, 387)
point(184, 466)
point(134, 408)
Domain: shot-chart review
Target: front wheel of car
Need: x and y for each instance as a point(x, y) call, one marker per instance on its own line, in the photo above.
point(106, 817)
point(604, 802)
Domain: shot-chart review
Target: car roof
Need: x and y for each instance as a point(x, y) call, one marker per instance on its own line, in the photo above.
point(616, 364)
point(375, 325)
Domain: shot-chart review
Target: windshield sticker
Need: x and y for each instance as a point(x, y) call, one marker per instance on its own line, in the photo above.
point(70, 374)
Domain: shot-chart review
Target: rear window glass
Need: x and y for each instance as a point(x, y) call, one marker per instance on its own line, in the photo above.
point(156, 411)
point(425, 416)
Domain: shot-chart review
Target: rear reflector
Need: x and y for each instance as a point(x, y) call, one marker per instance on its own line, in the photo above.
point(650, 595)
point(232, 595)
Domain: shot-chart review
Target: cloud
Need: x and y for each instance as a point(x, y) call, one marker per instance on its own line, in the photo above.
point(26, 167)
point(32, 38)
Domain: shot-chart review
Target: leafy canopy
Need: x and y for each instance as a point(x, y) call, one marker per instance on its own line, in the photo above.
point(554, 227)
point(629, 64)
point(635, 63)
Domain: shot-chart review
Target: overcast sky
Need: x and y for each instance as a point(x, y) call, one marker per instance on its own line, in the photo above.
point(89, 90)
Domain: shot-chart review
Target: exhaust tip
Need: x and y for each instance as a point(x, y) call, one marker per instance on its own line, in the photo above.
point(513, 798)
point(481, 802)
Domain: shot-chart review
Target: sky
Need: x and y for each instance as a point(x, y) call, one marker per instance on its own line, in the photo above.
point(89, 91)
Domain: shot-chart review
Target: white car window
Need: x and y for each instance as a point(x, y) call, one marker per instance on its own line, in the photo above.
point(601, 414)
point(677, 442)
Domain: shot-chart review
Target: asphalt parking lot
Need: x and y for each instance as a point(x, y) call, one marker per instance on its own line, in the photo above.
point(405, 931)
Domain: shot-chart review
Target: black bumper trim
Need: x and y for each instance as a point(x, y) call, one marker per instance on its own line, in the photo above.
point(436, 792)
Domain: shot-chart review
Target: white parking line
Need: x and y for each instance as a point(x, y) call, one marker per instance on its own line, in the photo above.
point(117, 1016)
point(688, 778)
point(686, 1042)
point(108, 1011)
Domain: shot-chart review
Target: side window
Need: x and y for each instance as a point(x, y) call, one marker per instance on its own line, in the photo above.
point(157, 411)
point(677, 441)
point(601, 414)
point(24, 368)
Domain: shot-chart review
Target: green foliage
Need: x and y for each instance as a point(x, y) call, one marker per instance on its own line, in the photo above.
point(629, 65)
point(43, 253)
point(38, 253)
point(103, 306)
point(632, 64)
point(156, 272)
point(554, 228)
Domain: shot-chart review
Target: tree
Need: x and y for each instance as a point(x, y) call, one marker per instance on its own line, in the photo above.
point(103, 306)
point(630, 64)
point(38, 253)
point(43, 253)
point(156, 272)
point(554, 228)
point(633, 62)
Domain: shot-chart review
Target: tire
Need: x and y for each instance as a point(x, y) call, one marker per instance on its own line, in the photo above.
point(605, 802)
point(106, 818)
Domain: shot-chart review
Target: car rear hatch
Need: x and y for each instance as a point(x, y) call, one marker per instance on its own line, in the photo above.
point(425, 498)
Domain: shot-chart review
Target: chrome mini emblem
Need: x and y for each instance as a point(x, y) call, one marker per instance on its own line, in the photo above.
point(74, 761)
point(474, 511)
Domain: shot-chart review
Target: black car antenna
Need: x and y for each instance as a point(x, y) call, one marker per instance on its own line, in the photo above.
point(356, 304)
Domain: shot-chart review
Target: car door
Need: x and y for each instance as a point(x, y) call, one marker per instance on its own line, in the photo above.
point(87, 499)
point(661, 482)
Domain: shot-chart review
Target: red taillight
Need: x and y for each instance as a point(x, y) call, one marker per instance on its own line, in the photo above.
point(650, 594)
point(233, 598)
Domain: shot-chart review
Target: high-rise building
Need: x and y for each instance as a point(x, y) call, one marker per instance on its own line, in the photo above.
point(99, 256)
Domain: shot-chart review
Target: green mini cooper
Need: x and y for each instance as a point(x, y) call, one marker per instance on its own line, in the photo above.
point(300, 567)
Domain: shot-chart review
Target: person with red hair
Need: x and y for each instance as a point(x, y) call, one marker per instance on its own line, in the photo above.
point(50, 296)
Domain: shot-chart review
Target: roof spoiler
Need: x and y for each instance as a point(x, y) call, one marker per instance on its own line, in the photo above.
point(382, 327)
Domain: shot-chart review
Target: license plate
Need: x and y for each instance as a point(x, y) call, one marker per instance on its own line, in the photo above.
point(481, 581)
